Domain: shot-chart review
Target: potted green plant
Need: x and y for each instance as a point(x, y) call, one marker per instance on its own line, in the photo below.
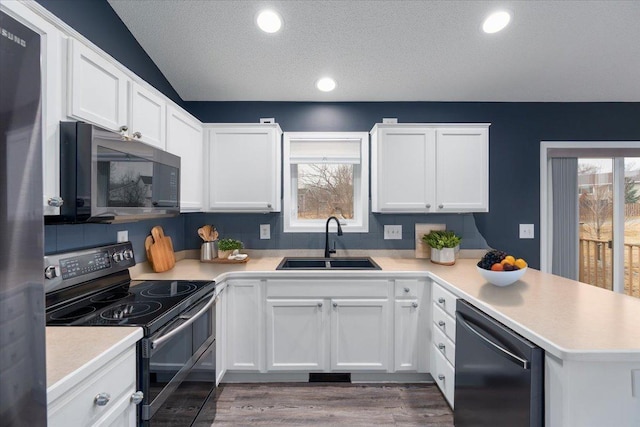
point(444, 246)
point(227, 246)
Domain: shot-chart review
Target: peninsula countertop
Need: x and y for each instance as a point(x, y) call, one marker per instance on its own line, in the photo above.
point(569, 319)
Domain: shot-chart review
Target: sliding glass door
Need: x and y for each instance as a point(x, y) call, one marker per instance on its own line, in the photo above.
point(590, 213)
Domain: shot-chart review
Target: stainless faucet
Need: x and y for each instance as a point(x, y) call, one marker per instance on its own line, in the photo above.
point(327, 251)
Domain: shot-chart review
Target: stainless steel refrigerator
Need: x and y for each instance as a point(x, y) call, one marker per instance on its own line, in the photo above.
point(23, 397)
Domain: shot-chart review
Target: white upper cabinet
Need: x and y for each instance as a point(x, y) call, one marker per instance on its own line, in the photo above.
point(185, 139)
point(148, 116)
point(244, 167)
point(426, 168)
point(462, 169)
point(98, 89)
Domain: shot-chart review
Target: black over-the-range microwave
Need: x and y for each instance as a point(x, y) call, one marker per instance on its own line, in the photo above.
point(105, 177)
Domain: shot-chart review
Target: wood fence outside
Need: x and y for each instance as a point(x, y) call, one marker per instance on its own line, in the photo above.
point(596, 261)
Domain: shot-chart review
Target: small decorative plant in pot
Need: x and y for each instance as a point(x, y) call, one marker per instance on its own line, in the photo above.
point(444, 245)
point(227, 246)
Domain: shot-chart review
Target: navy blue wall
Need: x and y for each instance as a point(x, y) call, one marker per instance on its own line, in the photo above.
point(98, 22)
point(515, 135)
point(514, 151)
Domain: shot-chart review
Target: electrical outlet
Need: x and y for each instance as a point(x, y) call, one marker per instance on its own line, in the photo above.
point(393, 232)
point(526, 231)
point(123, 236)
point(265, 231)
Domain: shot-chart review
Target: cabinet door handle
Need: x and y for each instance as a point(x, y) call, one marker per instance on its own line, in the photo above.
point(441, 300)
point(441, 377)
point(137, 135)
point(320, 304)
point(335, 305)
point(407, 290)
point(414, 304)
point(428, 205)
point(124, 128)
point(56, 202)
point(102, 399)
point(441, 206)
point(137, 397)
point(441, 323)
point(269, 205)
point(441, 346)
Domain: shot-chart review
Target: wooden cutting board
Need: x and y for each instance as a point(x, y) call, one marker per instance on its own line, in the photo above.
point(160, 250)
point(422, 249)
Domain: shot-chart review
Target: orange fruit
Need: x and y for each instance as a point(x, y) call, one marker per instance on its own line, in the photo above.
point(520, 263)
point(511, 260)
point(497, 267)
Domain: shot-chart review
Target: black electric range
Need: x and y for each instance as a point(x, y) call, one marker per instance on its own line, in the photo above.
point(92, 287)
point(148, 304)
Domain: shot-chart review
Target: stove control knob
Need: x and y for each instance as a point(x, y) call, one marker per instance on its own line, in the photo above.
point(117, 256)
point(127, 254)
point(51, 272)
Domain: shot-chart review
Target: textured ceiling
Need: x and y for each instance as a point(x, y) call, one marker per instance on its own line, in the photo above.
point(392, 50)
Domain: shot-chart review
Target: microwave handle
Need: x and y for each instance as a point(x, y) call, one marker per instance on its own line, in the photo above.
point(157, 342)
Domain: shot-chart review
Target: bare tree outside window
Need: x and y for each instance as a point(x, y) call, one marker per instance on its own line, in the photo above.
point(325, 190)
point(128, 190)
point(595, 200)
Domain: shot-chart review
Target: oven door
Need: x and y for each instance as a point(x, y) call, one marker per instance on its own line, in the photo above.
point(182, 350)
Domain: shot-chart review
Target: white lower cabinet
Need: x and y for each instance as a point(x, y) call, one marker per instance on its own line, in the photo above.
point(443, 339)
point(244, 325)
point(443, 373)
point(79, 406)
point(359, 334)
point(221, 335)
point(296, 335)
point(406, 335)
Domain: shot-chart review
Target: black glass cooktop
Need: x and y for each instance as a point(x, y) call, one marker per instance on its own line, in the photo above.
point(136, 303)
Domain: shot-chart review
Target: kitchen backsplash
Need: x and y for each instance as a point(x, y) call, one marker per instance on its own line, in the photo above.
point(245, 227)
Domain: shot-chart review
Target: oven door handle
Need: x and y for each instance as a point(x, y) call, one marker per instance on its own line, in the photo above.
point(157, 342)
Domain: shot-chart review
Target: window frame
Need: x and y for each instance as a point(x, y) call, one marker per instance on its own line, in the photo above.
point(360, 222)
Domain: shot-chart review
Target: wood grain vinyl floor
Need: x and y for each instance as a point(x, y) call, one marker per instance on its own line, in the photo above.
point(326, 404)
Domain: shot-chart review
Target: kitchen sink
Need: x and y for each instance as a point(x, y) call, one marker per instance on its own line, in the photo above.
point(295, 263)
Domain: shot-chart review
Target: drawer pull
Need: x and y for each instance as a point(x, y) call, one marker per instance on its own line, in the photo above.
point(441, 377)
point(441, 323)
point(414, 304)
point(441, 300)
point(319, 305)
point(137, 397)
point(441, 346)
point(102, 399)
point(335, 305)
point(407, 290)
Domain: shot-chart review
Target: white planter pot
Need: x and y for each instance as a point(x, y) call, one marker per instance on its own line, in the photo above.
point(444, 256)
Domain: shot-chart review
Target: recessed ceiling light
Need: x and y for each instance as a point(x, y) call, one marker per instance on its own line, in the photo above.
point(269, 21)
point(326, 84)
point(496, 22)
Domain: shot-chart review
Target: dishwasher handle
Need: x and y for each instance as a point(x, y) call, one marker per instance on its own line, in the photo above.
point(492, 345)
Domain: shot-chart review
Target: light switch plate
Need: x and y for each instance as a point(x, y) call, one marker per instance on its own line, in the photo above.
point(265, 231)
point(123, 236)
point(393, 232)
point(526, 231)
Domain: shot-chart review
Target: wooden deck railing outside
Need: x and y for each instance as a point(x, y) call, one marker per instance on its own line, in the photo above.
point(596, 261)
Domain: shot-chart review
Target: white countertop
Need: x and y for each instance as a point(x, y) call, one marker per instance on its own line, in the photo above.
point(569, 319)
point(74, 352)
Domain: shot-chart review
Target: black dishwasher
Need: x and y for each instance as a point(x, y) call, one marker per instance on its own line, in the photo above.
point(499, 378)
